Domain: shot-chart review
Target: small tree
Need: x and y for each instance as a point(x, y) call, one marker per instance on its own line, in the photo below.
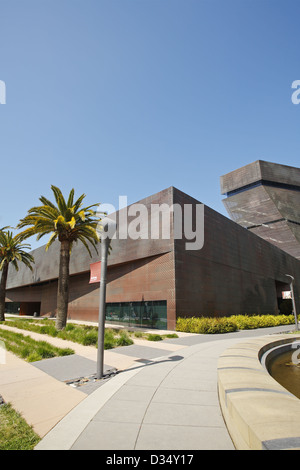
point(12, 250)
point(67, 222)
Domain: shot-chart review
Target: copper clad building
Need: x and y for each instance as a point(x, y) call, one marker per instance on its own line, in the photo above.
point(265, 198)
point(154, 278)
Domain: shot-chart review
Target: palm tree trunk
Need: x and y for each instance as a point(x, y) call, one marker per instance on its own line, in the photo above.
point(3, 290)
point(63, 285)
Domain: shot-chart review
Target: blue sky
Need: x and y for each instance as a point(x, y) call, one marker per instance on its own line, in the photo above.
point(129, 97)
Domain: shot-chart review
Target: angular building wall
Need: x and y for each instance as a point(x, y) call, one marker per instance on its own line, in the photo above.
point(139, 270)
point(235, 272)
point(265, 198)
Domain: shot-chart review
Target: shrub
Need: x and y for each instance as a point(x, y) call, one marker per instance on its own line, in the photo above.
point(154, 337)
point(90, 338)
point(247, 322)
point(123, 339)
point(48, 330)
point(138, 334)
point(109, 339)
point(210, 325)
point(206, 325)
point(33, 357)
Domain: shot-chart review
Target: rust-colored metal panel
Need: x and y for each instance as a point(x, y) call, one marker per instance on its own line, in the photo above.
point(141, 280)
point(236, 271)
point(123, 250)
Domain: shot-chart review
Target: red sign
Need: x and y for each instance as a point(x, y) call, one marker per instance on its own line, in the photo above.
point(95, 270)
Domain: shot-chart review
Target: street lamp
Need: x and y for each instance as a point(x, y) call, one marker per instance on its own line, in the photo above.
point(106, 236)
point(293, 299)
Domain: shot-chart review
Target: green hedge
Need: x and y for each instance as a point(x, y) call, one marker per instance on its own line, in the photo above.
point(211, 325)
point(205, 325)
point(248, 322)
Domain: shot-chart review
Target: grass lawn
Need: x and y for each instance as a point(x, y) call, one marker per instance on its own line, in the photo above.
point(30, 349)
point(15, 433)
point(84, 334)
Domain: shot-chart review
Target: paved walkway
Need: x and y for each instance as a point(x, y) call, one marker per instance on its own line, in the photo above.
point(163, 396)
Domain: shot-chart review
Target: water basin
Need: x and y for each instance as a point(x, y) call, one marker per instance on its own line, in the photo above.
point(285, 369)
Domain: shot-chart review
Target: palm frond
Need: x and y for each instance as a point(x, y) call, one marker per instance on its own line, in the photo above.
point(70, 199)
point(60, 200)
point(13, 250)
point(46, 202)
point(66, 221)
point(52, 239)
point(78, 203)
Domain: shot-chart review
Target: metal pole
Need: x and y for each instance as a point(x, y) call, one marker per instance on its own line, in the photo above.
point(293, 300)
point(294, 305)
point(106, 236)
point(101, 323)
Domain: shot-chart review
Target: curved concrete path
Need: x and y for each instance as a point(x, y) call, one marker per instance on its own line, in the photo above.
point(169, 403)
point(163, 397)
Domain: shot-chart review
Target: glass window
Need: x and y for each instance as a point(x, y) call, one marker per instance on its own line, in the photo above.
point(144, 314)
point(12, 307)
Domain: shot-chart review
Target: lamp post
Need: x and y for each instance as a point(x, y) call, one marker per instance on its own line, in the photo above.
point(293, 300)
point(106, 236)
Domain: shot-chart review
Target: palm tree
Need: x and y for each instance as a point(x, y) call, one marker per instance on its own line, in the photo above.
point(67, 222)
point(12, 250)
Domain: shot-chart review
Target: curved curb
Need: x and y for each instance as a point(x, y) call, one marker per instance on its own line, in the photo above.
point(75, 426)
point(65, 433)
point(259, 413)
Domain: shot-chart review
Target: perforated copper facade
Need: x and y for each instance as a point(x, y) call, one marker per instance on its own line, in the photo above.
point(234, 272)
point(265, 198)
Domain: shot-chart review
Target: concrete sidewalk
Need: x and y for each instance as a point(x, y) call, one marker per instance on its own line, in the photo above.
point(164, 395)
point(171, 403)
point(39, 390)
